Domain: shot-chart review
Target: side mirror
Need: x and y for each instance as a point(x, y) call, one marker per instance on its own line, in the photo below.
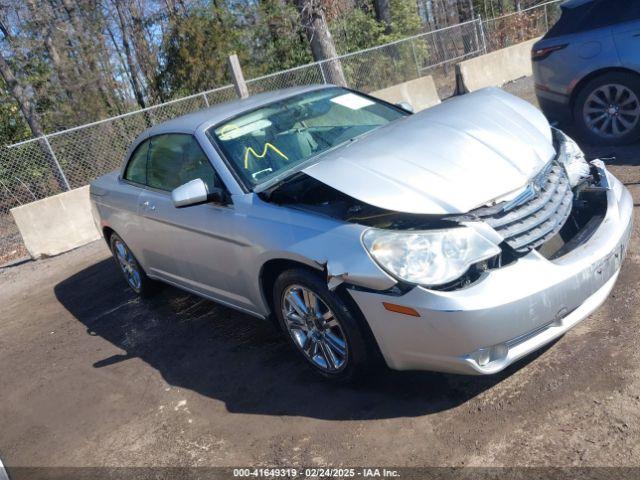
point(406, 106)
point(196, 192)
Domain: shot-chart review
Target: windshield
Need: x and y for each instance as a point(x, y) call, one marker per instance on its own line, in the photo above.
point(277, 137)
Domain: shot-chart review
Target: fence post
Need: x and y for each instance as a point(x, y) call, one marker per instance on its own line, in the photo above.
point(55, 160)
point(482, 35)
point(238, 77)
point(206, 100)
point(546, 19)
point(324, 77)
point(477, 37)
point(415, 58)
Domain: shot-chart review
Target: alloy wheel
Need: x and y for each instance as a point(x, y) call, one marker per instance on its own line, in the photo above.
point(314, 329)
point(611, 111)
point(128, 264)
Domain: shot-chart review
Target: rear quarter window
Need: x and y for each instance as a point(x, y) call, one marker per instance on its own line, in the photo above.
point(137, 167)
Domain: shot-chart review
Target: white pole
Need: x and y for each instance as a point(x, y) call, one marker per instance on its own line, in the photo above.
point(238, 77)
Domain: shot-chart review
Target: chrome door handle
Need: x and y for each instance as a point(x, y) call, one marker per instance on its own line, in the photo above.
point(149, 206)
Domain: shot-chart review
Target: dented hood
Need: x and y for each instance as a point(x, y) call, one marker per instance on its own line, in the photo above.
point(452, 158)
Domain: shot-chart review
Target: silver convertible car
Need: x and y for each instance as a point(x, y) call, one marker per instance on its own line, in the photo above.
point(457, 239)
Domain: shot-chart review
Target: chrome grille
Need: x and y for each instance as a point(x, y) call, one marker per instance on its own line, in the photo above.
point(537, 215)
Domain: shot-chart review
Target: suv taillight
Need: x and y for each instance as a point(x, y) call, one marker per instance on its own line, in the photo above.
point(542, 53)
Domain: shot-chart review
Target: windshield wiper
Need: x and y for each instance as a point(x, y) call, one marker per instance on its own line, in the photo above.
point(268, 192)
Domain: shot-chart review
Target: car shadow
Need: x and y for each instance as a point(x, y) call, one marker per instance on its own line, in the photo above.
point(244, 361)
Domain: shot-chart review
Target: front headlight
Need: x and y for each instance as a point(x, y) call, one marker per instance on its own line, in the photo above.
point(430, 257)
point(573, 159)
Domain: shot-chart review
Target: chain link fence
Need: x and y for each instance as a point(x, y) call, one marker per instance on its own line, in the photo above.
point(507, 30)
point(385, 65)
point(46, 166)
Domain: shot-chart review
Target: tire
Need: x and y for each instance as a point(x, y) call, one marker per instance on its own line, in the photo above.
point(317, 338)
point(128, 265)
point(607, 110)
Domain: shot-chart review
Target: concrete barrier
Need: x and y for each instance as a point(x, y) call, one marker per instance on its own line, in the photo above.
point(496, 68)
point(56, 224)
point(421, 93)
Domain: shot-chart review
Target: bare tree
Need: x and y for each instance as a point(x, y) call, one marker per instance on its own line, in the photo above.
point(322, 47)
point(38, 13)
point(19, 93)
point(175, 7)
point(27, 107)
point(84, 32)
point(447, 13)
point(146, 55)
point(131, 65)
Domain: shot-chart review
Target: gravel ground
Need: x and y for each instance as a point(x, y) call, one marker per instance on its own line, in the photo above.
point(93, 376)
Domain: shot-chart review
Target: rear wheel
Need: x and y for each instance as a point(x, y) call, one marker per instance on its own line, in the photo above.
point(133, 273)
point(320, 326)
point(607, 109)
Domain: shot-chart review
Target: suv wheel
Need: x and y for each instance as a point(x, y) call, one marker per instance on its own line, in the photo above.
point(607, 110)
point(320, 326)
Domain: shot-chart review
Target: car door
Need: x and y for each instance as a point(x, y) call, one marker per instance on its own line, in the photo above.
point(124, 217)
point(196, 246)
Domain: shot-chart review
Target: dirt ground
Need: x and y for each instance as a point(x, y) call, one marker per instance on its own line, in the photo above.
point(92, 376)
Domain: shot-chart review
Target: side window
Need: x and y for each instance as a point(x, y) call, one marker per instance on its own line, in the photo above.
point(631, 13)
point(176, 159)
point(137, 167)
point(607, 14)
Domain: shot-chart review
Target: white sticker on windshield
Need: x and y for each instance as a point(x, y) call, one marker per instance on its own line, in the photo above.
point(352, 101)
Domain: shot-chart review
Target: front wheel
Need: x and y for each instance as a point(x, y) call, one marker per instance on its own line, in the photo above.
point(607, 109)
point(133, 273)
point(320, 326)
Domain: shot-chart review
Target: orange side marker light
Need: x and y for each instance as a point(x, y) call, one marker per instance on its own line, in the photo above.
point(392, 307)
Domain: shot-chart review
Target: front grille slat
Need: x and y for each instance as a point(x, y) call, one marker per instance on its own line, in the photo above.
point(534, 222)
point(531, 208)
point(544, 232)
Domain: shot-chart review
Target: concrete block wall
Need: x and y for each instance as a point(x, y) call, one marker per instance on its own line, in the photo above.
point(56, 224)
point(421, 93)
point(496, 68)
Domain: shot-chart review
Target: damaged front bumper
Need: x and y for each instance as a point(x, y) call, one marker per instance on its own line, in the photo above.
point(509, 312)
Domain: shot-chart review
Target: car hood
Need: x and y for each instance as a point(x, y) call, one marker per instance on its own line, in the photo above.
point(452, 158)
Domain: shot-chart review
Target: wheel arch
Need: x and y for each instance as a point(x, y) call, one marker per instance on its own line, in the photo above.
point(106, 233)
point(272, 268)
point(270, 271)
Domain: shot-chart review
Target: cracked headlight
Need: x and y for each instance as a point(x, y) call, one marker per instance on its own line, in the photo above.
point(430, 257)
point(573, 159)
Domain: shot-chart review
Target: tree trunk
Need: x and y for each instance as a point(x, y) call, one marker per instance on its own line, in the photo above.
point(451, 14)
point(322, 46)
point(135, 85)
point(383, 12)
point(19, 93)
point(46, 30)
point(146, 55)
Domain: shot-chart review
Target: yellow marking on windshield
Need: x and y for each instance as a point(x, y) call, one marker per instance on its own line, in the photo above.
point(267, 146)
